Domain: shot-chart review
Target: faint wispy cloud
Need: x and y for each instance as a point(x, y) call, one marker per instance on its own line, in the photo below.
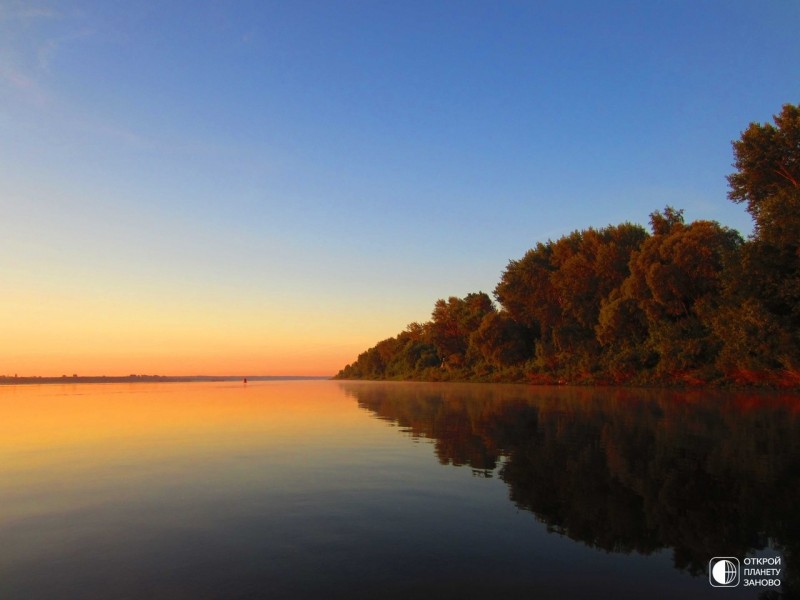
point(46, 53)
point(19, 50)
point(48, 49)
point(23, 84)
point(16, 79)
point(38, 13)
point(120, 134)
point(31, 37)
point(36, 54)
point(22, 11)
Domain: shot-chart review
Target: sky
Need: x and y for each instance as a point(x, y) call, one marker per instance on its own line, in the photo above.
point(212, 187)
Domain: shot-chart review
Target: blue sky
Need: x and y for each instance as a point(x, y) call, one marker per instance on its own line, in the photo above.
point(268, 179)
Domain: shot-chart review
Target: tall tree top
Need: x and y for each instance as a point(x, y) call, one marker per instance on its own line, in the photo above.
point(767, 160)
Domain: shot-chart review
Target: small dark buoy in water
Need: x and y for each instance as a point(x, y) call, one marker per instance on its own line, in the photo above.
point(245, 380)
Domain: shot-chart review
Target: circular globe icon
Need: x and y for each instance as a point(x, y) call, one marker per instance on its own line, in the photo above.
point(724, 572)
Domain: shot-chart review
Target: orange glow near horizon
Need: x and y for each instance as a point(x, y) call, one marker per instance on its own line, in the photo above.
point(309, 364)
point(82, 333)
point(298, 363)
point(142, 415)
point(92, 442)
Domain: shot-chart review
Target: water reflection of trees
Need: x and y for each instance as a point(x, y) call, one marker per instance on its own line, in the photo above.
point(703, 473)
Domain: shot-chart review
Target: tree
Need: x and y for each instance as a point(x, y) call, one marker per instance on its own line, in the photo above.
point(557, 289)
point(502, 341)
point(762, 309)
point(454, 321)
point(525, 290)
point(663, 222)
point(767, 174)
point(676, 280)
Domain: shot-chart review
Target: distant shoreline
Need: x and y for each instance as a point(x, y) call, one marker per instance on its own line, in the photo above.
point(6, 380)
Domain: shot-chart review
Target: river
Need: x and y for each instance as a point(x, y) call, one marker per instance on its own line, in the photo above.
point(326, 489)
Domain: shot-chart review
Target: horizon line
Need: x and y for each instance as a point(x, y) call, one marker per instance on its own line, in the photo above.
point(135, 376)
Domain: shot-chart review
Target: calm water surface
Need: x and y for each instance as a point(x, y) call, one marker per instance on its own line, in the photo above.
point(320, 489)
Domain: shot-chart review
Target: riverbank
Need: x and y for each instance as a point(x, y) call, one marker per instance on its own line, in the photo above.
point(749, 380)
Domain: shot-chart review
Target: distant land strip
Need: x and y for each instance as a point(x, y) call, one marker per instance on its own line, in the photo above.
point(64, 379)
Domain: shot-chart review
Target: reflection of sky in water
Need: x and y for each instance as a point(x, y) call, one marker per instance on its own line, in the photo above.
point(279, 490)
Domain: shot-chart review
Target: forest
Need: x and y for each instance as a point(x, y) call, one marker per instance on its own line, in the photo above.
point(681, 304)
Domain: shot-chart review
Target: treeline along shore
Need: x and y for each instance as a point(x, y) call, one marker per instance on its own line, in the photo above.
point(681, 304)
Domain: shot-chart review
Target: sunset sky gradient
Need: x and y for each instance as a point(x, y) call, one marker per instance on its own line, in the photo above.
point(270, 188)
